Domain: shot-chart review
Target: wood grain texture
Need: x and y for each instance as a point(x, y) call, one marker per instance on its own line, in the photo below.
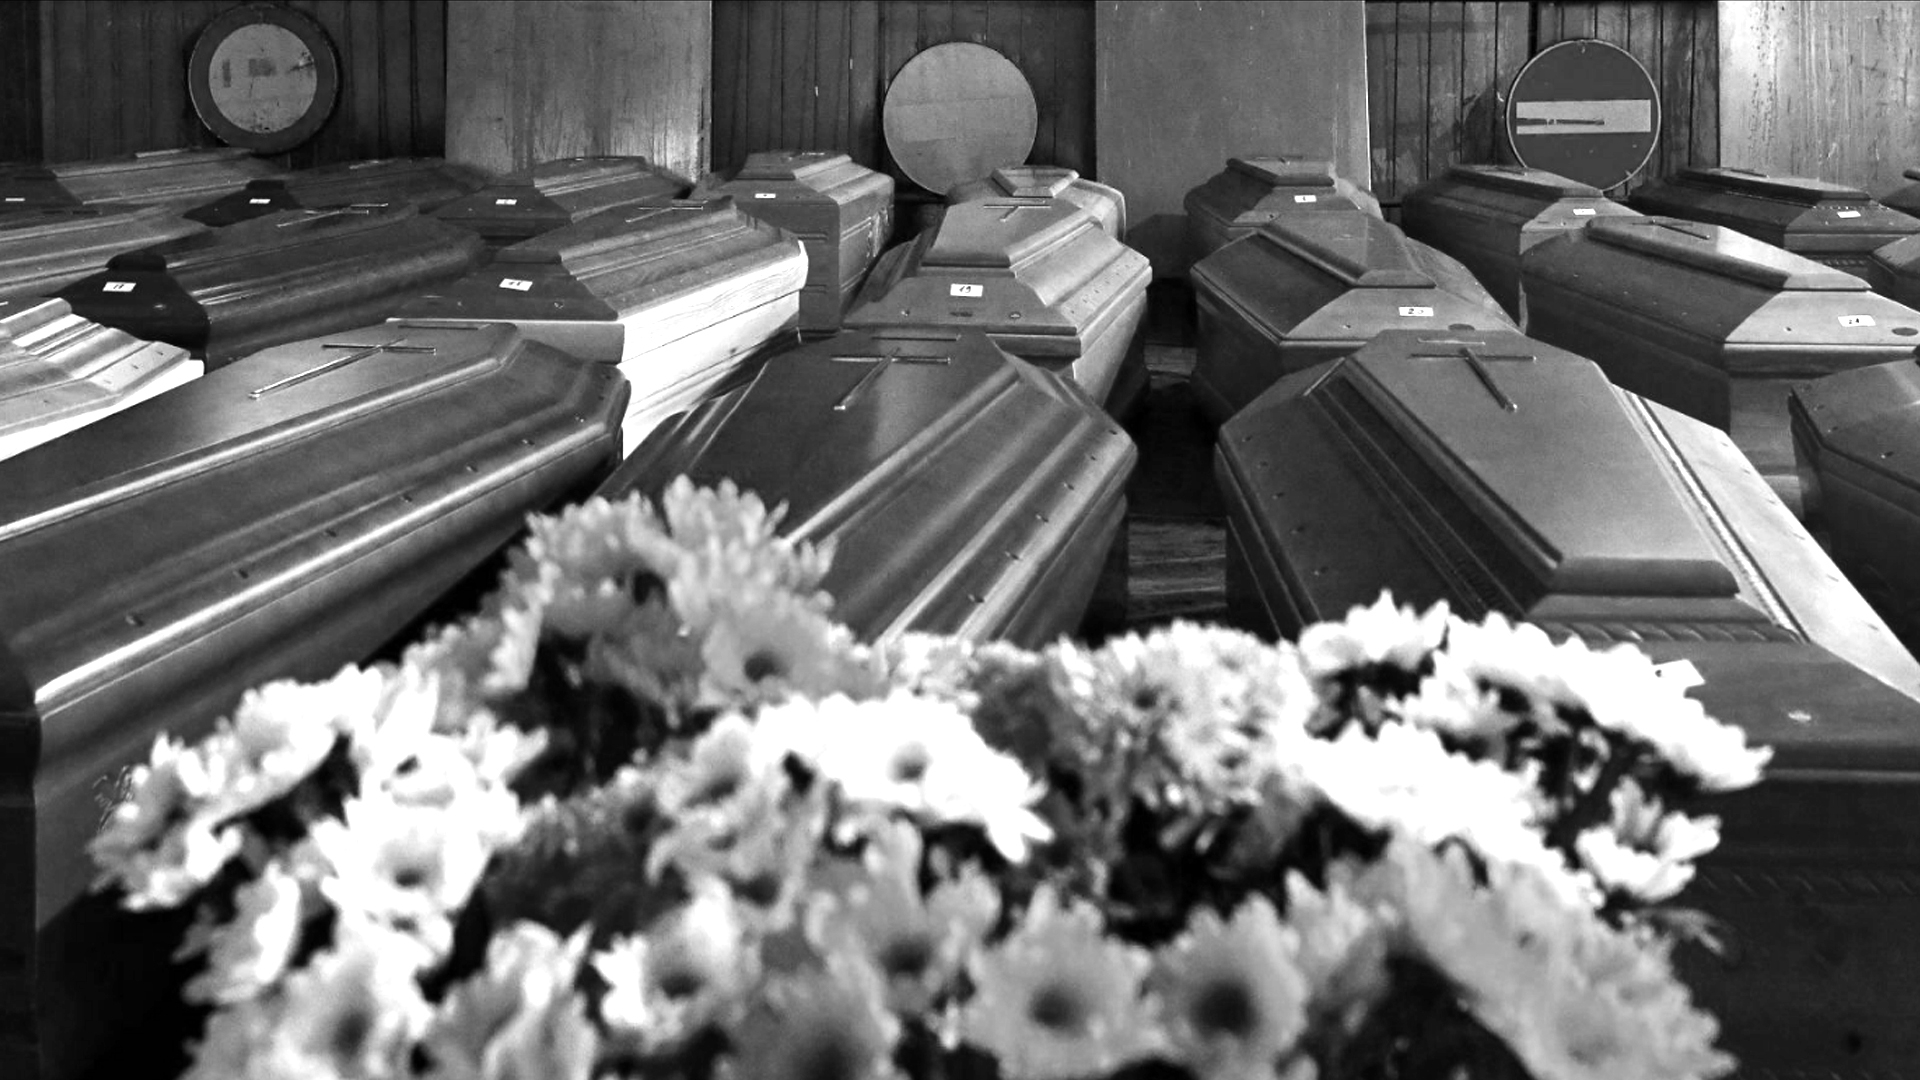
point(533, 80)
point(109, 77)
point(1819, 88)
point(813, 74)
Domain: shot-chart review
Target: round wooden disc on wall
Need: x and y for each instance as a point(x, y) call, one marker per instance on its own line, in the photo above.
point(263, 77)
point(955, 113)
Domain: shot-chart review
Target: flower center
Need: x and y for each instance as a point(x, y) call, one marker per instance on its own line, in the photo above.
point(910, 764)
point(718, 787)
point(907, 956)
point(410, 877)
point(350, 1035)
point(680, 983)
point(763, 664)
point(1224, 1008)
point(1059, 1008)
point(760, 890)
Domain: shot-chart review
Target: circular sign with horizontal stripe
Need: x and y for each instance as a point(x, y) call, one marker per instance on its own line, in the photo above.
point(1586, 110)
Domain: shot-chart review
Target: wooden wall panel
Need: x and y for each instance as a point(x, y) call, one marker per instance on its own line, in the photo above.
point(534, 80)
point(812, 74)
point(114, 77)
point(1438, 73)
point(1822, 89)
point(19, 82)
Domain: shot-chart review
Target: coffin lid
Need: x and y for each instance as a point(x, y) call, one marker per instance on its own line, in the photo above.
point(569, 174)
point(1361, 250)
point(1283, 171)
point(1525, 181)
point(1723, 251)
point(1034, 181)
point(280, 231)
point(1868, 414)
point(798, 165)
point(1797, 189)
point(624, 227)
point(355, 172)
point(1440, 408)
point(54, 364)
point(146, 159)
point(57, 220)
point(1900, 256)
point(1000, 234)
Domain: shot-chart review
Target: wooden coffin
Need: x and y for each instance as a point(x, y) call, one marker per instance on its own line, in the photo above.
point(1593, 512)
point(59, 372)
point(1708, 321)
point(1835, 224)
point(1486, 215)
point(556, 193)
point(1905, 199)
point(1107, 205)
point(228, 292)
point(1308, 288)
point(965, 491)
point(841, 211)
point(1251, 192)
point(1041, 278)
point(277, 518)
point(679, 296)
point(175, 178)
point(43, 250)
point(423, 183)
point(1894, 271)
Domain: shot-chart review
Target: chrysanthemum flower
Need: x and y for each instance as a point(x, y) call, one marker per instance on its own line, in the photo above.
point(1619, 688)
point(354, 1011)
point(730, 536)
point(235, 1041)
point(518, 1017)
point(248, 954)
point(1232, 995)
point(1500, 653)
point(1058, 1000)
point(408, 867)
point(1645, 852)
point(825, 1024)
point(1457, 703)
point(1342, 949)
point(690, 970)
point(1382, 633)
point(282, 731)
point(159, 845)
point(721, 764)
point(587, 557)
point(762, 644)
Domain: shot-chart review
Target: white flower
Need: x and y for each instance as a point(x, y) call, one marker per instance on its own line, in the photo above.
point(518, 1018)
point(690, 970)
point(1646, 853)
point(409, 867)
point(235, 1037)
point(352, 1012)
point(159, 845)
point(248, 955)
point(1380, 634)
point(282, 731)
point(1619, 688)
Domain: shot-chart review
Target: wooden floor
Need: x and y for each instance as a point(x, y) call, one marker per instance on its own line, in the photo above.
point(1176, 532)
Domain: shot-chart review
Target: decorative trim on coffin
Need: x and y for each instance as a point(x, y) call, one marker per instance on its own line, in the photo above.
point(59, 372)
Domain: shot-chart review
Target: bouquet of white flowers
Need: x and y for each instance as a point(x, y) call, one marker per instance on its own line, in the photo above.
point(652, 813)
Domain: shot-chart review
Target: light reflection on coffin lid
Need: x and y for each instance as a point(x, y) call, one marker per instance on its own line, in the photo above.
point(165, 559)
point(42, 251)
point(228, 292)
point(680, 296)
point(965, 491)
point(1311, 287)
point(1039, 277)
point(556, 193)
point(1487, 215)
point(1252, 192)
point(59, 372)
point(1107, 205)
point(1710, 322)
point(1595, 513)
point(1835, 224)
point(841, 211)
point(174, 178)
point(423, 183)
point(1894, 271)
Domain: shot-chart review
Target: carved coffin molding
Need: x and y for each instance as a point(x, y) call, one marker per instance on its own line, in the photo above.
point(680, 296)
point(1307, 288)
point(426, 184)
point(964, 490)
point(228, 292)
point(59, 372)
point(176, 178)
point(841, 211)
point(1487, 215)
point(43, 250)
point(277, 518)
point(1251, 192)
point(1038, 276)
point(1710, 322)
point(1835, 224)
point(1107, 205)
point(556, 193)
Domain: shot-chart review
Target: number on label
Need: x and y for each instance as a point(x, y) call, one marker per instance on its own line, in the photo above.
point(516, 284)
point(974, 291)
point(1306, 198)
point(506, 202)
point(117, 286)
point(1416, 313)
point(1584, 211)
point(1856, 320)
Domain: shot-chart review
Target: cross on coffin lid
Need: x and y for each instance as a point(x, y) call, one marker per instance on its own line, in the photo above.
point(1000, 234)
point(1283, 171)
point(1555, 521)
point(1722, 251)
point(1798, 189)
point(565, 175)
point(1525, 181)
point(1358, 248)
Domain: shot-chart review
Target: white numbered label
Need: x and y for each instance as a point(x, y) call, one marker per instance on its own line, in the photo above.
point(1306, 198)
point(765, 194)
point(1416, 313)
point(1856, 320)
point(967, 290)
point(117, 286)
point(258, 202)
point(16, 198)
point(1584, 211)
point(1848, 213)
point(506, 202)
point(516, 284)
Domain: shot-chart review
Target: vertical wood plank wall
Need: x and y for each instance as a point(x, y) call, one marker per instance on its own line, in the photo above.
point(114, 77)
point(19, 82)
point(1438, 74)
point(533, 80)
point(1822, 89)
point(811, 74)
